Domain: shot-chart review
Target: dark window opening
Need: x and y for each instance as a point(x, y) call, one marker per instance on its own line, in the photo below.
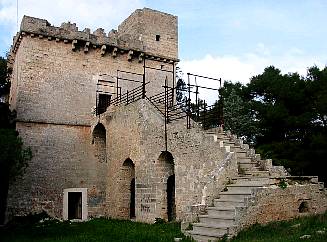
point(103, 103)
point(171, 198)
point(132, 202)
point(303, 208)
point(74, 205)
point(157, 37)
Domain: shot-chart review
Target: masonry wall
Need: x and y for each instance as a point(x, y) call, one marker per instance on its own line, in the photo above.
point(123, 142)
point(140, 137)
point(54, 93)
point(274, 203)
point(63, 157)
point(144, 24)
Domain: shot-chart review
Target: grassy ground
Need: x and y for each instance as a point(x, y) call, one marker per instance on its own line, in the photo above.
point(287, 231)
point(93, 230)
point(30, 229)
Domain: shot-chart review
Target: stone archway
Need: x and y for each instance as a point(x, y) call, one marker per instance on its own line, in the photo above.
point(99, 141)
point(127, 190)
point(166, 187)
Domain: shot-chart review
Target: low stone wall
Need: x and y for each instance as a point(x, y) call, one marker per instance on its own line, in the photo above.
point(274, 203)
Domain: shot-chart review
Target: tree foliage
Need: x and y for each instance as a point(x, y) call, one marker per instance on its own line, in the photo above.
point(237, 118)
point(181, 88)
point(285, 117)
point(4, 83)
point(13, 155)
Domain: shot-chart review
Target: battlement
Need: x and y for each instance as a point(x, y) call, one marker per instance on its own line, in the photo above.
point(138, 35)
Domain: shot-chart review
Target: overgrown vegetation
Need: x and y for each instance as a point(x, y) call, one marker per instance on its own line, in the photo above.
point(4, 83)
point(13, 155)
point(101, 229)
point(315, 227)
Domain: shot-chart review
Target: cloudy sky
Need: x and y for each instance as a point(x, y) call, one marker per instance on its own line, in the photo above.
point(233, 39)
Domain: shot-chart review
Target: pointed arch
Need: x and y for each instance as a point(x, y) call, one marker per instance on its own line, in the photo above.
point(166, 171)
point(127, 189)
point(99, 140)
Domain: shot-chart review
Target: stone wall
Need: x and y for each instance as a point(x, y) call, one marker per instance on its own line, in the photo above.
point(55, 72)
point(157, 30)
point(63, 157)
point(136, 131)
point(274, 203)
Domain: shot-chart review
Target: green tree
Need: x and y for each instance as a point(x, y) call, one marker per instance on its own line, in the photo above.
point(238, 119)
point(13, 155)
point(284, 116)
point(291, 115)
point(4, 83)
point(181, 88)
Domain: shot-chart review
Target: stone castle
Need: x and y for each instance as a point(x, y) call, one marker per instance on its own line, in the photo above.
point(87, 105)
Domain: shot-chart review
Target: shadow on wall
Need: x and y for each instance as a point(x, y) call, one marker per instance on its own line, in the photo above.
point(165, 170)
point(127, 189)
point(100, 143)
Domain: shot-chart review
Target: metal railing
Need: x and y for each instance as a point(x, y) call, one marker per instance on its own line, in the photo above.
point(130, 96)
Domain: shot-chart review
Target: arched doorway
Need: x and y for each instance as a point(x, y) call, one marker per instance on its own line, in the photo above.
point(127, 189)
point(100, 142)
point(165, 169)
point(132, 200)
point(171, 198)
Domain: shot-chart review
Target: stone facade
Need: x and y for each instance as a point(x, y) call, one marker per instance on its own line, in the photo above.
point(115, 164)
point(55, 77)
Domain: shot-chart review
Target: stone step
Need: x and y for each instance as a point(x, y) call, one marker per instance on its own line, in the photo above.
point(211, 132)
point(222, 136)
point(248, 165)
point(244, 159)
point(212, 138)
point(221, 211)
point(241, 154)
point(254, 168)
point(203, 228)
point(223, 221)
point(226, 142)
point(251, 180)
point(239, 196)
point(243, 187)
point(228, 202)
point(257, 173)
point(204, 237)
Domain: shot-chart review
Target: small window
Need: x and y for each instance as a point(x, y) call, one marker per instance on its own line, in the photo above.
point(103, 103)
point(304, 207)
point(157, 37)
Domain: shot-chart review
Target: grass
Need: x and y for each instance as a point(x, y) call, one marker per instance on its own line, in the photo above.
point(99, 229)
point(287, 231)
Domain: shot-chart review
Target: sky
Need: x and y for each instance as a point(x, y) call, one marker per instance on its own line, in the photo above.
point(233, 40)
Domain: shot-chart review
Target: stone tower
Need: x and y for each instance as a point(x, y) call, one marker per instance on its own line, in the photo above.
point(93, 111)
point(59, 75)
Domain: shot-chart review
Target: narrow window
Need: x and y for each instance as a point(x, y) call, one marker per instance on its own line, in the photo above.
point(103, 103)
point(304, 207)
point(157, 37)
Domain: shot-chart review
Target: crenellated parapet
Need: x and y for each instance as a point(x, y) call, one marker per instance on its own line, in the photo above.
point(113, 43)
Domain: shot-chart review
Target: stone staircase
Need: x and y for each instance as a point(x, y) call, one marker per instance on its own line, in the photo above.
point(221, 217)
